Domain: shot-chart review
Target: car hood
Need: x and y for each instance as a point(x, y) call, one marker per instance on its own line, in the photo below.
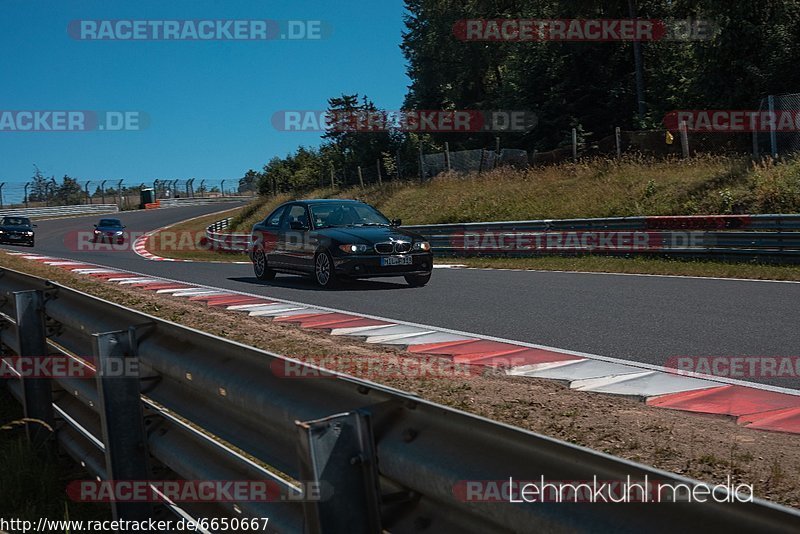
point(369, 234)
point(16, 228)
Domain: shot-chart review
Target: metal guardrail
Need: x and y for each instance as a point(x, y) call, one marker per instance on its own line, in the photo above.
point(205, 408)
point(226, 242)
point(773, 238)
point(199, 201)
point(764, 237)
point(57, 211)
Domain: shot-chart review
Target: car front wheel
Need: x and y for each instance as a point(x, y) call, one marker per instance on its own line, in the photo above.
point(260, 268)
point(417, 280)
point(324, 271)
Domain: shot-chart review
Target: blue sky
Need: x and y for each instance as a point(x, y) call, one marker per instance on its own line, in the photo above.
point(209, 103)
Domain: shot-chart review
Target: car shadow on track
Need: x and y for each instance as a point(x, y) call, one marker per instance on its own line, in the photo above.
point(306, 284)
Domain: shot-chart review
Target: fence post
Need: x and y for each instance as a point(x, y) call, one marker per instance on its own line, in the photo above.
point(447, 156)
point(1, 194)
point(773, 135)
point(37, 395)
point(103, 190)
point(380, 178)
point(618, 138)
point(480, 164)
point(121, 417)
point(222, 188)
point(684, 139)
point(421, 164)
point(753, 117)
point(333, 178)
point(574, 145)
point(360, 178)
point(533, 158)
point(119, 193)
point(397, 165)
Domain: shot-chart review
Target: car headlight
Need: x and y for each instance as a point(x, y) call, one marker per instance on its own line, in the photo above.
point(353, 249)
point(118, 233)
point(28, 233)
point(2, 232)
point(421, 245)
point(98, 232)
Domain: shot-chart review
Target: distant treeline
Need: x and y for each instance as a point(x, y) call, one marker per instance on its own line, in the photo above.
point(590, 86)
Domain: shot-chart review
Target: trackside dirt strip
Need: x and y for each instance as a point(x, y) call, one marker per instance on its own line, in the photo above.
point(754, 405)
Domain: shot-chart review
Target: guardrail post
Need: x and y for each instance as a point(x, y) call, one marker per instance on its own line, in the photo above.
point(121, 417)
point(37, 393)
point(339, 451)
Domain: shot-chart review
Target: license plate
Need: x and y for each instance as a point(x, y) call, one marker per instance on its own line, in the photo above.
point(15, 236)
point(388, 261)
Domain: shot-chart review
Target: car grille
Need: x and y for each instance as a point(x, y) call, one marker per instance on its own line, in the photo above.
point(398, 247)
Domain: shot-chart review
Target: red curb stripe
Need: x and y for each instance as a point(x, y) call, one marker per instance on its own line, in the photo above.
point(472, 346)
point(209, 297)
point(298, 318)
point(518, 358)
point(351, 322)
point(237, 300)
point(327, 318)
point(435, 348)
point(786, 420)
point(156, 287)
point(727, 400)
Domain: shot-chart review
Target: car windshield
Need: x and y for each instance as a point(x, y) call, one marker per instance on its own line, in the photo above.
point(16, 221)
point(110, 222)
point(336, 214)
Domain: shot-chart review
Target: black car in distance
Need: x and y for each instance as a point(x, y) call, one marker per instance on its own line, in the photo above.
point(109, 231)
point(17, 231)
point(331, 240)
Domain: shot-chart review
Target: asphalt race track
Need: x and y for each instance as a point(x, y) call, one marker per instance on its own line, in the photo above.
point(642, 318)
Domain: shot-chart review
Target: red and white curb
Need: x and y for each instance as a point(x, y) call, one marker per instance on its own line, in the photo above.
point(756, 406)
point(140, 244)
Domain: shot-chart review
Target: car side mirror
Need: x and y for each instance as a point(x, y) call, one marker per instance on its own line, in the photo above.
point(297, 225)
point(35, 225)
point(94, 225)
point(397, 222)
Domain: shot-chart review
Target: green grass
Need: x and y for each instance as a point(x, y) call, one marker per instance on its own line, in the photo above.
point(637, 265)
point(33, 482)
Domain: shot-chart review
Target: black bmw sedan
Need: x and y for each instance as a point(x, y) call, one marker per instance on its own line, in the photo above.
point(17, 231)
point(331, 240)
